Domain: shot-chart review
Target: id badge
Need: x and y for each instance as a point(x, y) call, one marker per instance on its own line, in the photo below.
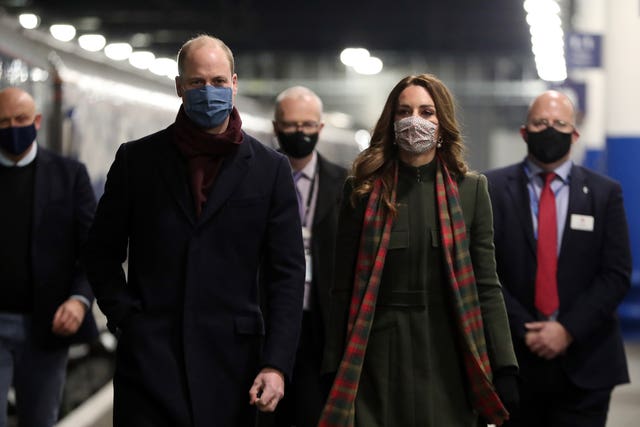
point(308, 270)
point(306, 237)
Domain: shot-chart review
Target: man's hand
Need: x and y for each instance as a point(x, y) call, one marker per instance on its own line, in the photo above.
point(547, 339)
point(68, 317)
point(267, 389)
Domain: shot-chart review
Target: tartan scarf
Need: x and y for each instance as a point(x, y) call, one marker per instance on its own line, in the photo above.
point(374, 241)
point(462, 281)
point(339, 410)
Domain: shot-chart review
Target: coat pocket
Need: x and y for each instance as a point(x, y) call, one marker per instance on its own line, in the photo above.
point(398, 240)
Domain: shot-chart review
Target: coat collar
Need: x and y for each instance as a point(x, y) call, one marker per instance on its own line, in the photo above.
point(580, 194)
point(174, 173)
point(519, 194)
point(233, 169)
point(580, 201)
point(329, 189)
point(42, 186)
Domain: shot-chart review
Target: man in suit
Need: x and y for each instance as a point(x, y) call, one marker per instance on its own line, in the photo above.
point(199, 206)
point(298, 125)
point(563, 257)
point(45, 298)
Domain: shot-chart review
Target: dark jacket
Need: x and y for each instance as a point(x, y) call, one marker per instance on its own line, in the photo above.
point(192, 328)
point(63, 209)
point(593, 273)
point(325, 224)
point(307, 394)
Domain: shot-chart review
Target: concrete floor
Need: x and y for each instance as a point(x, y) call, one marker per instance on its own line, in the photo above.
point(624, 410)
point(625, 403)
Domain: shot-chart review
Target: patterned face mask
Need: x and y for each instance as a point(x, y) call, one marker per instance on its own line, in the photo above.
point(415, 134)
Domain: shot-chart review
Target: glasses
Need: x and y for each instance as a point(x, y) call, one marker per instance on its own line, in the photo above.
point(306, 127)
point(559, 125)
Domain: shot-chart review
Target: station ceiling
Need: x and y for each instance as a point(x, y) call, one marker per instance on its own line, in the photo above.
point(497, 27)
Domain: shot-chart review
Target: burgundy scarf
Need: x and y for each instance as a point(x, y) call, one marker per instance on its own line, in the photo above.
point(204, 152)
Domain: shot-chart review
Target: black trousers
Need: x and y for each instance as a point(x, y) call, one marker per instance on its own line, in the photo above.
point(305, 396)
point(550, 399)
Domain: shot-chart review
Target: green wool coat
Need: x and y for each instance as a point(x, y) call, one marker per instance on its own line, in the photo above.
point(413, 374)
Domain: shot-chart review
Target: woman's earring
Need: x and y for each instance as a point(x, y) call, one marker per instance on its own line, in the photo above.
point(439, 144)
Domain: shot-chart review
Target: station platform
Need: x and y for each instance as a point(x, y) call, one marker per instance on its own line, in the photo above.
point(624, 410)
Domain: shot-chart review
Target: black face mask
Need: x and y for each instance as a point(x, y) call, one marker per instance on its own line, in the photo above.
point(297, 144)
point(548, 145)
point(16, 139)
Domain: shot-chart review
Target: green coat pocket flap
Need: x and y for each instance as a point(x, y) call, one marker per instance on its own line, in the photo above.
point(399, 240)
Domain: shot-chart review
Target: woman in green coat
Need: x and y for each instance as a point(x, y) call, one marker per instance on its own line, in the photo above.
point(418, 333)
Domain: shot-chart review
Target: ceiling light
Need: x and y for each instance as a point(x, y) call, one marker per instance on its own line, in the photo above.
point(338, 119)
point(546, 6)
point(141, 59)
point(29, 20)
point(164, 67)
point(118, 51)
point(351, 55)
point(139, 40)
point(39, 75)
point(363, 138)
point(368, 66)
point(63, 32)
point(92, 42)
point(547, 38)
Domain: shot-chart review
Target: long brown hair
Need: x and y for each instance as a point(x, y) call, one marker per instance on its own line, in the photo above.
point(377, 159)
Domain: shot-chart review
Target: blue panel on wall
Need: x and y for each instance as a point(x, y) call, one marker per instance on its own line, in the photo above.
point(623, 154)
point(583, 50)
point(595, 160)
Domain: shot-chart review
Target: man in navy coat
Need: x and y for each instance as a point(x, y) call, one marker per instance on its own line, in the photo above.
point(566, 336)
point(298, 126)
point(47, 205)
point(204, 212)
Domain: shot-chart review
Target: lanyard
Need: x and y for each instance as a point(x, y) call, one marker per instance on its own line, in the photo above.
point(310, 196)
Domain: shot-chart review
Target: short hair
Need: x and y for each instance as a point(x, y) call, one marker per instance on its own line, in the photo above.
point(296, 92)
point(200, 40)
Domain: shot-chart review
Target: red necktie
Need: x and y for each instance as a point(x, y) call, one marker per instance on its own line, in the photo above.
point(546, 297)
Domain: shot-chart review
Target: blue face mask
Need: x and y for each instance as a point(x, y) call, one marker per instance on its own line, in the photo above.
point(208, 106)
point(15, 140)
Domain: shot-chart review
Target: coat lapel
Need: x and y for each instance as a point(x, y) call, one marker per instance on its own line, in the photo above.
point(579, 202)
point(42, 190)
point(519, 193)
point(327, 194)
point(174, 173)
point(232, 171)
